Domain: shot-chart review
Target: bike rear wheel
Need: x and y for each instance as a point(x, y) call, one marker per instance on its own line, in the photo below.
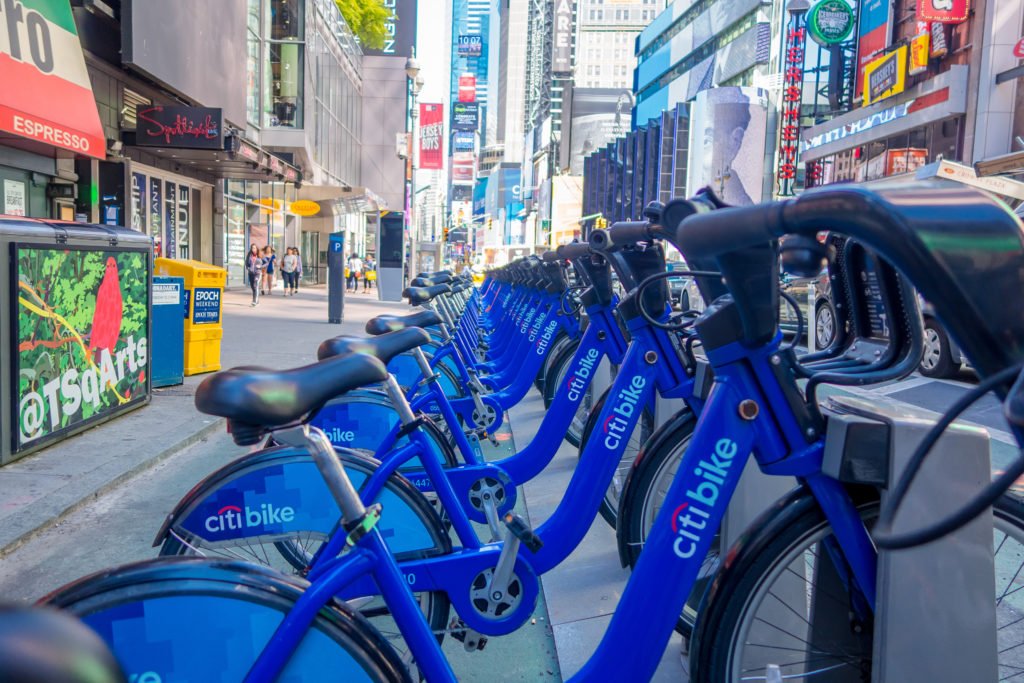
point(737, 636)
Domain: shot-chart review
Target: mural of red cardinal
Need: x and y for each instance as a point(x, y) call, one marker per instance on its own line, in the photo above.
point(106, 318)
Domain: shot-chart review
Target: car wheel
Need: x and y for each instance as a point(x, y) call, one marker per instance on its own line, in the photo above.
point(937, 360)
point(824, 325)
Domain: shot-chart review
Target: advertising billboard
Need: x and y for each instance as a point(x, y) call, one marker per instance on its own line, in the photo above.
point(561, 40)
point(465, 116)
point(943, 11)
point(598, 116)
point(431, 136)
point(462, 172)
point(727, 130)
point(467, 88)
point(873, 36)
point(885, 76)
point(463, 141)
point(470, 45)
point(82, 337)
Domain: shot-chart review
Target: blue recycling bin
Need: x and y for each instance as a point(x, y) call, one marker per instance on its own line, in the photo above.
point(167, 357)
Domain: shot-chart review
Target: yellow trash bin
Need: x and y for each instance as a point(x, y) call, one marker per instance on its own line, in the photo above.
point(204, 291)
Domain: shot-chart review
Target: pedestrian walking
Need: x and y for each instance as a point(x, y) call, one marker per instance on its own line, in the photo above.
point(269, 263)
point(369, 273)
point(355, 269)
point(289, 266)
point(298, 270)
point(254, 271)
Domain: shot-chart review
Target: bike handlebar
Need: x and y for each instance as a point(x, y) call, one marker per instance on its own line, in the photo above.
point(574, 250)
point(620, 235)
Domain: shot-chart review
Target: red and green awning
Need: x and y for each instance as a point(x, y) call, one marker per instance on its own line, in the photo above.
point(46, 94)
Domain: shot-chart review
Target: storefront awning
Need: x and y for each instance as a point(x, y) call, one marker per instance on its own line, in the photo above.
point(1007, 188)
point(933, 100)
point(47, 98)
point(338, 199)
point(238, 160)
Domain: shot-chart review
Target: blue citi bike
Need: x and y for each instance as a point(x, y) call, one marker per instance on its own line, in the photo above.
point(202, 619)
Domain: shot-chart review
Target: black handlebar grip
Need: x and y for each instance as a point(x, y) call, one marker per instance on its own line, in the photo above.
point(550, 257)
point(620, 235)
point(726, 230)
point(573, 250)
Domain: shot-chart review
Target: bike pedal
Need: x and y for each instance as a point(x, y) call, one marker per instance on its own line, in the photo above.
point(521, 530)
point(470, 639)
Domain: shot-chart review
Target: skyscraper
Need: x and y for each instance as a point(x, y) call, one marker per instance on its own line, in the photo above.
point(470, 18)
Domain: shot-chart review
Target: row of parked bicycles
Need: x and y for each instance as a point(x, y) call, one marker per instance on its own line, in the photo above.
point(365, 526)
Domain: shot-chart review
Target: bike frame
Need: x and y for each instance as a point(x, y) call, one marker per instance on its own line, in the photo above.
point(679, 540)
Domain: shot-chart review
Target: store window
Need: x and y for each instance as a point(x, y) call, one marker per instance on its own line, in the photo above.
point(167, 209)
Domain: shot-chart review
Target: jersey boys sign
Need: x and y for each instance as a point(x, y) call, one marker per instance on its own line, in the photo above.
point(431, 136)
point(53, 101)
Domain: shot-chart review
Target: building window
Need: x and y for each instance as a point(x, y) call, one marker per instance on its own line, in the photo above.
point(252, 67)
point(284, 65)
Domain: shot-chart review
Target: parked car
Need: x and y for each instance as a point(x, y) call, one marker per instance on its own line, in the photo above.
point(942, 357)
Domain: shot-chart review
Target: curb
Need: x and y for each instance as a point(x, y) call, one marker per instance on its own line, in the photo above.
point(9, 545)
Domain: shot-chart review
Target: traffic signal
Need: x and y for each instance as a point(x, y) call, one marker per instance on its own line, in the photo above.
point(490, 223)
point(601, 222)
point(445, 232)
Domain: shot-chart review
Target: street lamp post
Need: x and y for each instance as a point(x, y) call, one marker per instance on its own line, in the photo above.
point(412, 72)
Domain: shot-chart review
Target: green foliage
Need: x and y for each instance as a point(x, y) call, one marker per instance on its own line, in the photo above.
point(65, 282)
point(367, 20)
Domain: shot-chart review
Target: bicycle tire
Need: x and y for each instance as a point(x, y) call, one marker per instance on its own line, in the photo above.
point(782, 533)
point(610, 502)
point(196, 605)
point(649, 478)
point(298, 551)
point(556, 382)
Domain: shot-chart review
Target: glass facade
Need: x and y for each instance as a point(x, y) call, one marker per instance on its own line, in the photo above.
point(255, 213)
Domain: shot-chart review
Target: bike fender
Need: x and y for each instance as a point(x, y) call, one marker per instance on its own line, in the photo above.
point(277, 492)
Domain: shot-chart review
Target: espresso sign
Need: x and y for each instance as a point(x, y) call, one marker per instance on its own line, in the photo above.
point(180, 127)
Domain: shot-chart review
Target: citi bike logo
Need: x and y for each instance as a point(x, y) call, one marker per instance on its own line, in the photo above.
point(338, 435)
point(525, 319)
point(578, 380)
point(545, 338)
point(535, 328)
point(625, 405)
point(233, 518)
point(690, 519)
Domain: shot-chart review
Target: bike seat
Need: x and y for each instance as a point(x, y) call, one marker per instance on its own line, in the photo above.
point(421, 295)
point(383, 347)
point(424, 281)
point(383, 324)
point(265, 398)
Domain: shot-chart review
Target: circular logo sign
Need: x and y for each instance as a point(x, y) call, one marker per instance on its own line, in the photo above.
point(304, 207)
point(1018, 49)
point(830, 22)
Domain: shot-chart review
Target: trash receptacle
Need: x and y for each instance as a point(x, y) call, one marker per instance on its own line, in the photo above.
point(168, 321)
point(204, 289)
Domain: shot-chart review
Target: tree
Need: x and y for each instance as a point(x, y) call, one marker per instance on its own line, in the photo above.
point(367, 20)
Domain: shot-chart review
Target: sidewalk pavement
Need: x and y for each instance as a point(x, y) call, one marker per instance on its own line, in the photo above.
point(37, 491)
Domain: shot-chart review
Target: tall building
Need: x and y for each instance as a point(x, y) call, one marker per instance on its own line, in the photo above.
point(470, 18)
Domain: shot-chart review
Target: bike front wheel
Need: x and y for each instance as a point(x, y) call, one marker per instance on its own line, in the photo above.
point(786, 576)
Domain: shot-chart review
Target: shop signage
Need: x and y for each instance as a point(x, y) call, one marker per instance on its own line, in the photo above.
point(919, 45)
point(399, 28)
point(470, 45)
point(792, 98)
point(467, 88)
point(873, 35)
point(156, 214)
point(830, 22)
point(876, 119)
point(81, 334)
point(561, 40)
point(943, 11)
point(465, 116)
point(245, 150)
point(40, 52)
point(431, 136)
point(1018, 49)
point(180, 127)
point(14, 198)
point(170, 220)
point(885, 76)
point(304, 207)
point(138, 202)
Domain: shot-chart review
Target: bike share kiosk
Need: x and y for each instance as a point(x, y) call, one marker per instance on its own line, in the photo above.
point(390, 255)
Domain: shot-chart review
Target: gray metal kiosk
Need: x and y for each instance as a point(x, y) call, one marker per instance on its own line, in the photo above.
point(391, 255)
point(336, 278)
